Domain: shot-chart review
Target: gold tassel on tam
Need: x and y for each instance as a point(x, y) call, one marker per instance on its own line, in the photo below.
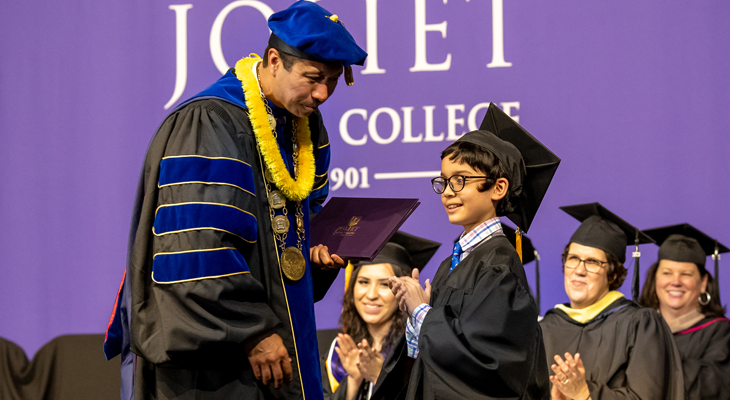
point(348, 273)
point(349, 79)
point(518, 242)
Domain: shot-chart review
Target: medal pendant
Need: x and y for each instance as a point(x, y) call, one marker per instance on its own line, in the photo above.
point(267, 175)
point(280, 224)
point(272, 122)
point(300, 222)
point(276, 200)
point(292, 263)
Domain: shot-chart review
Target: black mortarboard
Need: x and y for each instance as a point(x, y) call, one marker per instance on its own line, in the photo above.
point(530, 164)
point(529, 254)
point(605, 230)
point(308, 31)
point(685, 243)
point(406, 251)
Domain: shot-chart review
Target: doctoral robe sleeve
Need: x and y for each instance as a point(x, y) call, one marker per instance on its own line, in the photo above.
point(707, 377)
point(487, 336)
point(653, 370)
point(196, 267)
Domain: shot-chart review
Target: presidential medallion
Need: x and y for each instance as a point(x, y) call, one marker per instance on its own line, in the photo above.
point(272, 122)
point(276, 200)
point(267, 175)
point(292, 263)
point(280, 224)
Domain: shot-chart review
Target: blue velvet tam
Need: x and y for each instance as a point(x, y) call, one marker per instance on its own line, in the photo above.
point(308, 31)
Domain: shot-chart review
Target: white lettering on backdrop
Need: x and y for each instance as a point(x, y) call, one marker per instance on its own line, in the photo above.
point(181, 50)
point(454, 118)
point(371, 66)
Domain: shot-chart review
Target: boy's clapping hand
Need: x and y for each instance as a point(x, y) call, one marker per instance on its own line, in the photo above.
point(408, 292)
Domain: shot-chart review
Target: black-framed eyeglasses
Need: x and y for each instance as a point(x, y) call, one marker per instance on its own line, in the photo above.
point(592, 265)
point(455, 182)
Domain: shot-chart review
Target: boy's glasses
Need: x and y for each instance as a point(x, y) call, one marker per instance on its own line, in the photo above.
point(455, 182)
point(592, 265)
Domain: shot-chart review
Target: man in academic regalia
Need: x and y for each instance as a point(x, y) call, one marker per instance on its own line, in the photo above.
point(217, 299)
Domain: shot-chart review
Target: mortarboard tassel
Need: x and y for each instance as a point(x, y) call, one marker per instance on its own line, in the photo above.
point(348, 272)
point(635, 281)
point(716, 258)
point(349, 79)
point(518, 242)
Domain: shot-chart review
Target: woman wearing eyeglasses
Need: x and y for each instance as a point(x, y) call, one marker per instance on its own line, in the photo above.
point(601, 345)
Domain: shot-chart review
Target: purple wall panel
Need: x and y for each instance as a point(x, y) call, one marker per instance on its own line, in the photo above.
point(632, 96)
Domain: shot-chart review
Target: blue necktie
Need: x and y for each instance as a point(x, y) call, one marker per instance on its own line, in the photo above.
point(455, 256)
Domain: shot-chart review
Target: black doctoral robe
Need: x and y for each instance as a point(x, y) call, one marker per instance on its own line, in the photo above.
point(705, 352)
point(203, 262)
point(481, 339)
point(626, 349)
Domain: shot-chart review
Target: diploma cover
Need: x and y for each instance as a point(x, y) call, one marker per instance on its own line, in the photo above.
point(357, 228)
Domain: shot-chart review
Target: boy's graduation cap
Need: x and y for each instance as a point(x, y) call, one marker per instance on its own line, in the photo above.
point(530, 164)
point(605, 230)
point(529, 254)
point(404, 250)
point(308, 31)
point(685, 243)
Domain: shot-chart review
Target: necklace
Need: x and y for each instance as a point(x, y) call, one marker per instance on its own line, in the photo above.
point(291, 260)
point(296, 188)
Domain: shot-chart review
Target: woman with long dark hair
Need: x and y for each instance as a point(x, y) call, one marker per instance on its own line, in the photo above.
point(370, 320)
point(683, 291)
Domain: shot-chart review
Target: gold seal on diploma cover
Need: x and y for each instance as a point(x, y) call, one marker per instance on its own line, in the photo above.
point(280, 224)
point(276, 200)
point(292, 263)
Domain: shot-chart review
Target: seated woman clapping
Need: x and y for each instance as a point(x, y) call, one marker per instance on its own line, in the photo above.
point(602, 345)
point(371, 321)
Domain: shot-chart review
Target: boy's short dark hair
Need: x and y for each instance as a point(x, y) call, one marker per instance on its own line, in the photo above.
point(486, 162)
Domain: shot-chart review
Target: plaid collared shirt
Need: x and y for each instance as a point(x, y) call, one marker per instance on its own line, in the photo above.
point(468, 242)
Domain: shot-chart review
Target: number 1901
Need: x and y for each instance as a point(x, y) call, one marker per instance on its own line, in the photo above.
point(352, 178)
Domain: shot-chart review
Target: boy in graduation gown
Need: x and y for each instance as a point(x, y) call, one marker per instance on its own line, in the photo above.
point(473, 334)
point(602, 345)
point(217, 301)
point(679, 286)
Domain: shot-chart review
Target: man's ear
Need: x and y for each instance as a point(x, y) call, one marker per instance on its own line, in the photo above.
point(500, 188)
point(274, 61)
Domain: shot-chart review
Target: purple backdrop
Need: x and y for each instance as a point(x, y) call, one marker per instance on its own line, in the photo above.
point(633, 96)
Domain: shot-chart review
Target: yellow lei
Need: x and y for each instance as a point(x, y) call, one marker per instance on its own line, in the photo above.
point(294, 189)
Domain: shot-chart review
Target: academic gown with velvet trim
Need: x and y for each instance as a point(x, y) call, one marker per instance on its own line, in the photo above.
point(203, 264)
point(705, 352)
point(481, 339)
point(626, 349)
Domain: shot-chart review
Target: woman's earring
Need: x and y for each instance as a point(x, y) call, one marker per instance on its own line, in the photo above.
point(707, 301)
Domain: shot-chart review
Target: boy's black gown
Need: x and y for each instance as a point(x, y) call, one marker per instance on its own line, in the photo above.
point(203, 263)
point(481, 339)
point(705, 352)
point(626, 349)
